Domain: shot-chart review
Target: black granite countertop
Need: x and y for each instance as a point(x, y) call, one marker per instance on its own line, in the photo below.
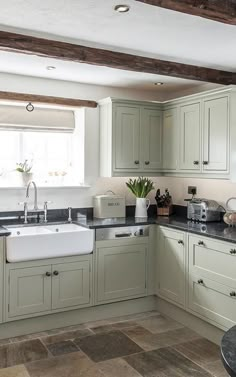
point(217, 230)
point(228, 351)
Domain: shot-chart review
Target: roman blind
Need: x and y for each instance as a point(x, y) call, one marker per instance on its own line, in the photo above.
point(40, 119)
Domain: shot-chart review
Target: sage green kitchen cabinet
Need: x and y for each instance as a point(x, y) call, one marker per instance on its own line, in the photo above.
point(216, 134)
point(120, 272)
point(212, 280)
point(130, 138)
point(37, 288)
point(170, 139)
point(127, 138)
point(170, 272)
point(1, 276)
point(70, 284)
point(29, 290)
point(190, 134)
point(151, 131)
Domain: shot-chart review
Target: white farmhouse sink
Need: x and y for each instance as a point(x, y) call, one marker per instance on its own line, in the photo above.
point(51, 241)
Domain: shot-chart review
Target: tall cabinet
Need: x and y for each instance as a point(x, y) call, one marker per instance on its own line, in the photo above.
point(130, 138)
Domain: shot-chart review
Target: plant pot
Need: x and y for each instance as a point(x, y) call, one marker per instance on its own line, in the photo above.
point(26, 178)
point(165, 211)
point(142, 205)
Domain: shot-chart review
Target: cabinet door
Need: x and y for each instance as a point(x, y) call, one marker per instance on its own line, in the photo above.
point(121, 272)
point(127, 138)
point(190, 137)
point(212, 301)
point(170, 139)
point(151, 140)
point(215, 135)
point(171, 266)
point(70, 284)
point(1, 277)
point(29, 291)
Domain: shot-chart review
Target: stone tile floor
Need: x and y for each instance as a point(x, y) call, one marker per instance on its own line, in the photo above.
point(146, 344)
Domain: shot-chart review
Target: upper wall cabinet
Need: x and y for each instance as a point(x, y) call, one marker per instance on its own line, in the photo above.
point(190, 136)
point(190, 158)
point(170, 139)
point(216, 134)
point(130, 138)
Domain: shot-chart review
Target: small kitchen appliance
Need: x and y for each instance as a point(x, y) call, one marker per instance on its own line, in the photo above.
point(109, 205)
point(204, 210)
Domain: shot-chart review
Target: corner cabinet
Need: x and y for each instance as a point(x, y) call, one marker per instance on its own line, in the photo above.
point(197, 273)
point(37, 288)
point(130, 138)
point(170, 269)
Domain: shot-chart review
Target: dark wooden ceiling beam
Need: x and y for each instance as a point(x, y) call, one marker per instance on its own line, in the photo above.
point(217, 10)
point(35, 98)
point(26, 44)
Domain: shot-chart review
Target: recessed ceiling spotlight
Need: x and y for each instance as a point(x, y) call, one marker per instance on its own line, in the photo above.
point(50, 67)
point(122, 8)
point(159, 83)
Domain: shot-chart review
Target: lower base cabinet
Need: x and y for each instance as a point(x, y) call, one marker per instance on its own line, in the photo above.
point(120, 271)
point(1, 277)
point(38, 288)
point(171, 265)
point(212, 280)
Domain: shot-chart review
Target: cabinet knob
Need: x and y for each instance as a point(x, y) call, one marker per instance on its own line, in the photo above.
point(147, 162)
point(55, 273)
point(205, 162)
point(233, 294)
point(136, 162)
point(195, 162)
point(48, 273)
point(200, 243)
point(232, 251)
point(200, 281)
point(181, 242)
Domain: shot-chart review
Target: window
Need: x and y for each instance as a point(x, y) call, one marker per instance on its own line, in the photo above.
point(55, 154)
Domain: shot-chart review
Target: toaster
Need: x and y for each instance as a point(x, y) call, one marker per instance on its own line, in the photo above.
point(203, 210)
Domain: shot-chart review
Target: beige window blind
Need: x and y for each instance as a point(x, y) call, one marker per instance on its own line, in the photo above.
point(40, 119)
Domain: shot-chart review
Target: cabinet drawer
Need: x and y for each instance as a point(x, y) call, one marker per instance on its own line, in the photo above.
point(212, 259)
point(212, 301)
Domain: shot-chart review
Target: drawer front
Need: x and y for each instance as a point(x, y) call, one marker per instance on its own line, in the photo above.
point(212, 301)
point(212, 259)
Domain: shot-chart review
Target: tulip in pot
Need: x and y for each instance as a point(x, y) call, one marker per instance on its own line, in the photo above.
point(140, 188)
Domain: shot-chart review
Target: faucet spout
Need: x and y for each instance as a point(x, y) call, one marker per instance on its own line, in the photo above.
point(35, 194)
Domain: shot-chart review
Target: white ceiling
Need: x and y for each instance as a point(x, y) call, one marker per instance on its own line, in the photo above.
point(145, 30)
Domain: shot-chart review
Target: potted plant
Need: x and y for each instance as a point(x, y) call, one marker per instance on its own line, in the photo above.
point(164, 203)
point(141, 187)
point(25, 169)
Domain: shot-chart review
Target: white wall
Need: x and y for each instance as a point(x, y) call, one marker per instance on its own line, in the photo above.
point(75, 197)
point(82, 197)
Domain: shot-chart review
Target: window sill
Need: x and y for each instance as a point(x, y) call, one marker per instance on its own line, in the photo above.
point(46, 187)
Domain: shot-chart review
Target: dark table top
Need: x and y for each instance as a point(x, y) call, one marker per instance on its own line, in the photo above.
point(216, 230)
point(228, 351)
